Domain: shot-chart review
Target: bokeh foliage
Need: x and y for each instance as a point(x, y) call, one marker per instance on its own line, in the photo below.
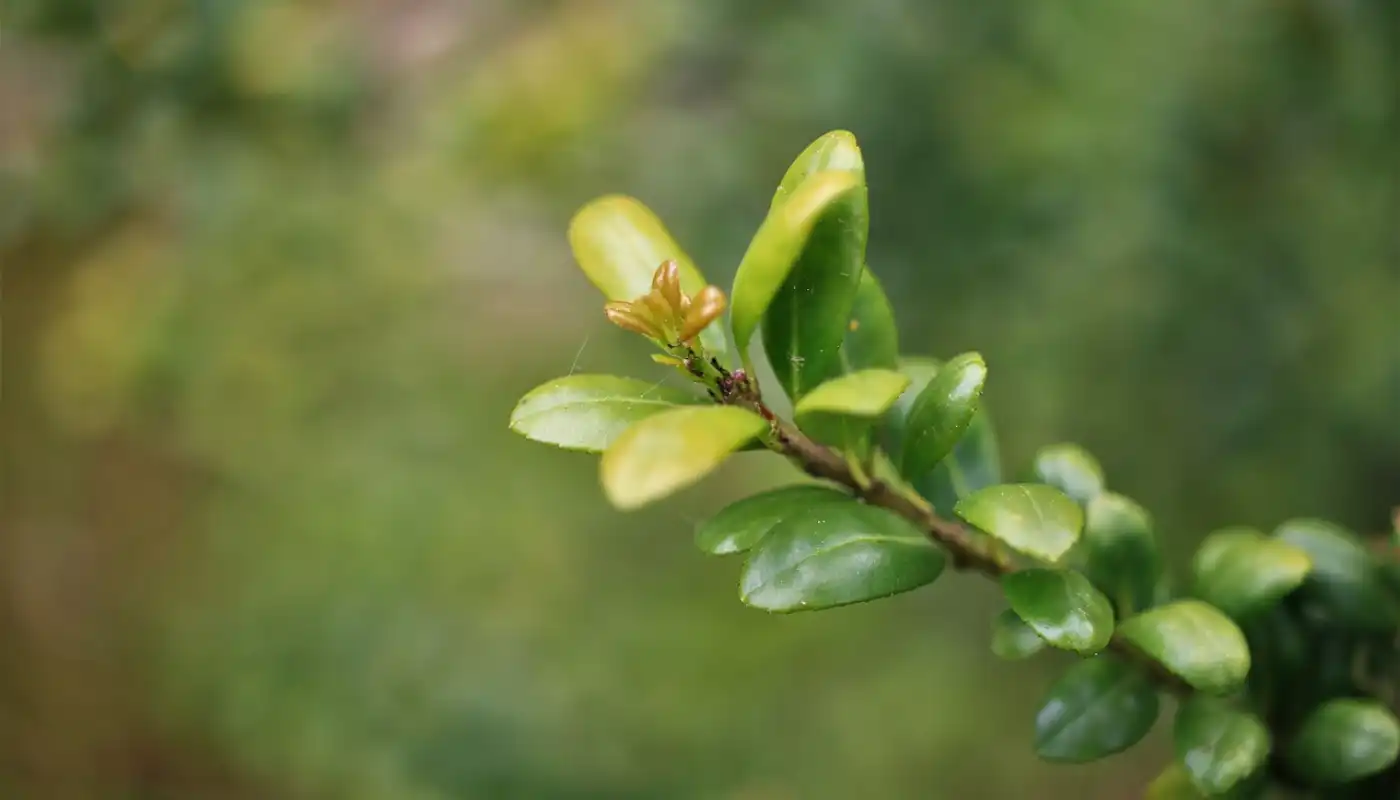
point(275, 272)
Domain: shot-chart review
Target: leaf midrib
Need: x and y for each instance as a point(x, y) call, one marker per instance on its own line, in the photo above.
point(867, 538)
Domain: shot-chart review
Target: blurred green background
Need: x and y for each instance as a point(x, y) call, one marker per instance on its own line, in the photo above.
point(275, 273)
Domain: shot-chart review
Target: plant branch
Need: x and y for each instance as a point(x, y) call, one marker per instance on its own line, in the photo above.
point(968, 549)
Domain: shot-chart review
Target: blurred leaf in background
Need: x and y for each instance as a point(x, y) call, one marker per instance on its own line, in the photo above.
point(275, 273)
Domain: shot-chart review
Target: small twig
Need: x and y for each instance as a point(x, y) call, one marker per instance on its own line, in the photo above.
point(967, 548)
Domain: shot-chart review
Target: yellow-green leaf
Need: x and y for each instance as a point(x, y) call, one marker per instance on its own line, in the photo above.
point(836, 150)
point(1195, 641)
point(672, 450)
point(1031, 518)
point(588, 412)
point(868, 393)
point(776, 246)
point(619, 243)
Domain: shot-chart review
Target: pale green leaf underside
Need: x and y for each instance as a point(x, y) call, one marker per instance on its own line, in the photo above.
point(588, 412)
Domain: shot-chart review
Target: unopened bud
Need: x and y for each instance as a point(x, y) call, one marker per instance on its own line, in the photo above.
point(667, 282)
point(623, 316)
point(706, 307)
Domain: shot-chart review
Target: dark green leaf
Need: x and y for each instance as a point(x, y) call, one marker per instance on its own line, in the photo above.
point(795, 243)
point(872, 339)
point(835, 554)
point(741, 524)
point(1120, 552)
point(1194, 640)
point(1099, 707)
point(619, 243)
point(1062, 607)
point(1220, 747)
point(669, 451)
point(1013, 639)
point(587, 412)
point(1242, 572)
point(1345, 740)
point(942, 412)
point(1030, 517)
point(975, 462)
point(1071, 469)
point(1345, 578)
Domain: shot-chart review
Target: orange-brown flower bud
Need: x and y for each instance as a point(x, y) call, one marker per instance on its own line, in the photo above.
point(623, 316)
point(667, 283)
point(707, 306)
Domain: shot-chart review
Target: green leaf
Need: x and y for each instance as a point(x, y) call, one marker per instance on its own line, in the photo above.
point(842, 411)
point(1195, 641)
point(1242, 572)
point(741, 524)
point(872, 338)
point(669, 451)
point(1345, 578)
point(1120, 552)
point(783, 242)
point(619, 243)
point(868, 393)
point(1173, 784)
point(1345, 740)
point(835, 150)
point(942, 412)
point(1029, 517)
point(834, 554)
point(1062, 607)
point(587, 412)
point(1013, 639)
point(1099, 707)
point(1071, 469)
point(1219, 747)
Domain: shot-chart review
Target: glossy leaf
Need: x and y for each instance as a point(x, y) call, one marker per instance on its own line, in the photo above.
point(1099, 707)
point(872, 338)
point(619, 243)
point(1013, 639)
point(1173, 784)
point(1029, 517)
point(835, 150)
point(868, 393)
point(835, 554)
point(669, 451)
point(781, 243)
point(588, 412)
point(942, 412)
point(1242, 572)
point(1219, 747)
point(1062, 607)
point(806, 324)
point(1193, 640)
point(741, 524)
point(1345, 577)
point(1345, 740)
point(1120, 552)
point(1071, 469)
point(975, 462)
